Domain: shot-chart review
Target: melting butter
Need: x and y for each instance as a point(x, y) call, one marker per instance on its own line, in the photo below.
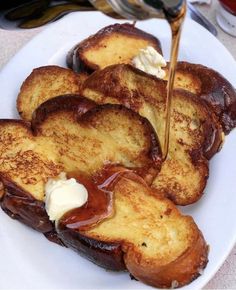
point(63, 195)
point(150, 61)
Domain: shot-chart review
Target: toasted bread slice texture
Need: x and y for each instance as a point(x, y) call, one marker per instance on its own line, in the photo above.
point(195, 134)
point(44, 83)
point(145, 234)
point(210, 86)
point(70, 139)
point(117, 43)
point(106, 134)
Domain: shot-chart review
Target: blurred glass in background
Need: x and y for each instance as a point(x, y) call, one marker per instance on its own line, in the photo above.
point(226, 16)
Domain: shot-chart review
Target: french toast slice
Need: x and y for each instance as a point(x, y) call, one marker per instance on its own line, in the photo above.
point(117, 43)
point(69, 134)
point(145, 234)
point(44, 83)
point(210, 86)
point(195, 134)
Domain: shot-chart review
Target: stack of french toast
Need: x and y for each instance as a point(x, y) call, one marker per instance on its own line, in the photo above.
point(102, 122)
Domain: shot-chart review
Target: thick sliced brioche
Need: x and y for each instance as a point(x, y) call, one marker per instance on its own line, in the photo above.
point(118, 43)
point(195, 134)
point(23, 159)
point(70, 139)
point(145, 234)
point(45, 83)
point(210, 86)
point(105, 134)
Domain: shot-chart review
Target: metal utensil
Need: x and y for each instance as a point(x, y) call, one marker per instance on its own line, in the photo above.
point(197, 16)
point(140, 9)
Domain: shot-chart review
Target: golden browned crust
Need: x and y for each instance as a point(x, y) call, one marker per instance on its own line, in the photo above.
point(153, 152)
point(110, 85)
point(210, 134)
point(146, 234)
point(24, 173)
point(44, 83)
point(178, 273)
point(108, 255)
point(73, 103)
point(77, 58)
point(21, 205)
point(71, 134)
point(195, 135)
point(29, 160)
point(212, 87)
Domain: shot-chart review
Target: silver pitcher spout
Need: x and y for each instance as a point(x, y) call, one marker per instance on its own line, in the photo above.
point(140, 9)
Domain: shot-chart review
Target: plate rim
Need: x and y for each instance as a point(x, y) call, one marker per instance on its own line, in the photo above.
point(66, 18)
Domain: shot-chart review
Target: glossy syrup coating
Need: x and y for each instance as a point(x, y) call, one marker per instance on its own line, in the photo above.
point(132, 236)
point(98, 207)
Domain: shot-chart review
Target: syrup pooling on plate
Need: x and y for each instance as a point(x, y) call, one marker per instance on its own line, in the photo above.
point(100, 199)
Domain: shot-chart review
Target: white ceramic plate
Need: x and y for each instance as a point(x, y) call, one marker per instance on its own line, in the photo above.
point(28, 260)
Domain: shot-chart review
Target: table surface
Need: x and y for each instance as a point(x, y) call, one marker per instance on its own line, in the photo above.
point(12, 41)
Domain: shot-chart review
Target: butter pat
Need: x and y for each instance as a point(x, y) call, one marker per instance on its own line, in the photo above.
point(150, 61)
point(62, 195)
